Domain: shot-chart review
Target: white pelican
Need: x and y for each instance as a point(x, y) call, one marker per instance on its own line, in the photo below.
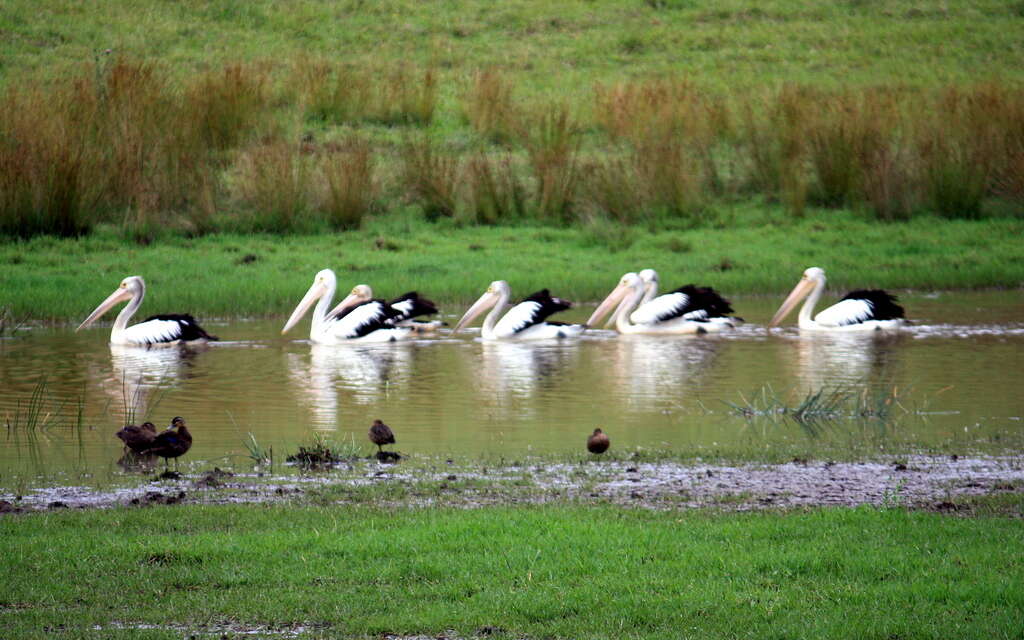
point(155, 330)
point(408, 305)
point(369, 321)
point(686, 310)
point(860, 310)
point(524, 321)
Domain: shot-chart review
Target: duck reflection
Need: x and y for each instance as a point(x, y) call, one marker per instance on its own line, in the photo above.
point(826, 359)
point(650, 367)
point(365, 372)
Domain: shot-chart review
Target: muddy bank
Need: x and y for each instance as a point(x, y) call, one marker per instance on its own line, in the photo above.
point(930, 482)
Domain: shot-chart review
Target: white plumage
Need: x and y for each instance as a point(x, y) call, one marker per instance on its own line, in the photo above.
point(365, 322)
point(153, 331)
point(524, 321)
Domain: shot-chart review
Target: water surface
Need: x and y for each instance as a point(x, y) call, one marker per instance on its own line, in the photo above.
point(957, 372)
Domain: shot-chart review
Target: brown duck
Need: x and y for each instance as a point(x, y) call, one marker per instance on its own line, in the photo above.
point(137, 438)
point(380, 434)
point(172, 443)
point(598, 442)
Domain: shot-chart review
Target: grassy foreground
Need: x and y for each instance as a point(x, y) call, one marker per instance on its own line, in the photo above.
point(763, 253)
point(541, 572)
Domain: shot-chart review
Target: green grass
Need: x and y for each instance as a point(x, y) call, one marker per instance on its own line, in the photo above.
point(232, 116)
point(751, 250)
point(556, 572)
point(556, 49)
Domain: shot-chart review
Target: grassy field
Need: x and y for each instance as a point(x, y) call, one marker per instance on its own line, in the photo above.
point(557, 49)
point(228, 116)
point(50, 279)
point(540, 572)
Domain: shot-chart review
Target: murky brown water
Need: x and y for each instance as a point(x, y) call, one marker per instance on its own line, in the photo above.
point(958, 371)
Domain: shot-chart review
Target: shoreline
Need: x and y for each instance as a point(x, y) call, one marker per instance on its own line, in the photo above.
point(921, 482)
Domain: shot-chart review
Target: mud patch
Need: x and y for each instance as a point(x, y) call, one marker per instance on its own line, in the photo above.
point(924, 482)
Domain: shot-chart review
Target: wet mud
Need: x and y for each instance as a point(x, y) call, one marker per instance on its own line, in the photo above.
point(926, 482)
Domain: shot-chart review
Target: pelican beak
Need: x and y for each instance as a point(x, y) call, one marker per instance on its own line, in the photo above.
point(119, 295)
point(616, 296)
point(485, 302)
point(350, 301)
point(315, 292)
point(799, 292)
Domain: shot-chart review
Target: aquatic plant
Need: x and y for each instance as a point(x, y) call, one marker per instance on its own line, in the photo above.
point(323, 452)
point(259, 454)
point(825, 404)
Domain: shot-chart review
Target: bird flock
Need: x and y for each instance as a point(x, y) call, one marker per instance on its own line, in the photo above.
point(634, 304)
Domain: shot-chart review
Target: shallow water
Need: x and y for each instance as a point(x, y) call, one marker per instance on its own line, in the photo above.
point(957, 373)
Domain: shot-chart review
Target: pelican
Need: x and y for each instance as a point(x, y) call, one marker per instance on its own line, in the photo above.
point(860, 310)
point(155, 330)
point(524, 321)
point(362, 321)
point(686, 310)
point(408, 305)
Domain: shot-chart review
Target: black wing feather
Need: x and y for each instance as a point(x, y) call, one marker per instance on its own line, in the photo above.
point(699, 298)
point(548, 305)
point(883, 304)
point(190, 329)
point(418, 306)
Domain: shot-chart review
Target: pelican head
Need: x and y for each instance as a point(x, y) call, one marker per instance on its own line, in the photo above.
point(813, 279)
point(324, 284)
point(649, 276)
point(360, 293)
point(629, 282)
point(130, 287)
point(497, 291)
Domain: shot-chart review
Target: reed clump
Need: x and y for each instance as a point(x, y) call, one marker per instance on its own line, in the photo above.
point(338, 94)
point(489, 108)
point(431, 177)
point(495, 191)
point(348, 172)
point(126, 142)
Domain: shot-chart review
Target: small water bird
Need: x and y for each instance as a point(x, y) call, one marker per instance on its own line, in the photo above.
point(381, 434)
point(407, 306)
point(598, 442)
point(137, 438)
point(524, 321)
point(861, 310)
point(155, 330)
point(687, 310)
point(369, 321)
point(174, 442)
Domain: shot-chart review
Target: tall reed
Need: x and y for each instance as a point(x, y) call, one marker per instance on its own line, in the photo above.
point(431, 177)
point(488, 107)
point(348, 172)
point(273, 183)
point(552, 145)
point(495, 192)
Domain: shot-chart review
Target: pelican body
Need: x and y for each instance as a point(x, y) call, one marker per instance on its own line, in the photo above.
point(861, 310)
point(358, 321)
point(407, 307)
point(687, 310)
point(168, 329)
point(524, 321)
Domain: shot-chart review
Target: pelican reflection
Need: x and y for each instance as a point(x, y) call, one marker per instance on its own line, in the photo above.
point(652, 367)
point(366, 373)
point(842, 359)
point(138, 377)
